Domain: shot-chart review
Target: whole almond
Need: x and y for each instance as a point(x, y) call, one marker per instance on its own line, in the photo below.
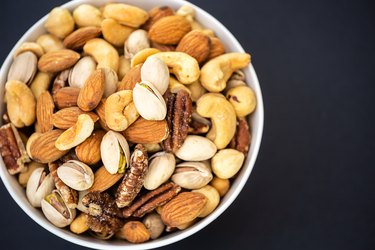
point(156, 14)
point(66, 97)
point(89, 150)
point(56, 61)
point(147, 131)
point(132, 77)
point(134, 232)
point(67, 117)
point(217, 48)
point(78, 38)
point(184, 208)
point(104, 180)
point(44, 111)
point(197, 44)
point(43, 149)
point(169, 30)
point(92, 92)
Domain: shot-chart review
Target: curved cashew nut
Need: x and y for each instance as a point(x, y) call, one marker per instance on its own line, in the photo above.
point(120, 110)
point(183, 66)
point(223, 118)
point(216, 72)
point(104, 53)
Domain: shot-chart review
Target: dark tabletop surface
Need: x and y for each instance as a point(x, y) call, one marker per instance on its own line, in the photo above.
point(312, 185)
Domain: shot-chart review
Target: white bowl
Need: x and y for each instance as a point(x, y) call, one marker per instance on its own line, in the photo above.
point(256, 124)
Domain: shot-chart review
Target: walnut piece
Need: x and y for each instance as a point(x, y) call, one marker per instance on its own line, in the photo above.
point(242, 137)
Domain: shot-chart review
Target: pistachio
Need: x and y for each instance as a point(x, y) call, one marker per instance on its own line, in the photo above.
point(80, 206)
point(56, 210)
point(196, 148)
point(115, 152)
point(39, 185)
point(160, 169)
point(156, 71)
point(149, 102)
point(81, 72)
point(77, 175)
point(213, 199)
point(111, 81)
point(137, 41)
point(154, 225)
point(227, 162)
point(192, 175)
point(24, 176)
point(23, 67)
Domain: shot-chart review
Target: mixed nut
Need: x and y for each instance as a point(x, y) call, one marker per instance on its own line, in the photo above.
point(126, 123)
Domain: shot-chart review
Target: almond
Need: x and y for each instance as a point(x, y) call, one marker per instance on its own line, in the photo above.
point(67, 117)
point(66, 97)
point(163, 47)
point(44, 111)
point(156, 14)
point(146, 131)
point(134, 232)
point(78, 38)
point(100, 111)
point(104, 180)
point(197, 44)
point(89, 150)
point(92, 92)
point(217, 48)
point(169, 30)
point(43, 149)
point(56, 61)
point(184, 208)
point(132, 77)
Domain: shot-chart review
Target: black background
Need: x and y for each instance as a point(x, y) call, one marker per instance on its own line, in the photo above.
point(312, 185)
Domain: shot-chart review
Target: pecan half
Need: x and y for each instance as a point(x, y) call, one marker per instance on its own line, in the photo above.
point(134, 177)
point(151, 200)
point(12, 149)
point(179, 110)
point(69, 195)
point(242, 137)
point(104, 215)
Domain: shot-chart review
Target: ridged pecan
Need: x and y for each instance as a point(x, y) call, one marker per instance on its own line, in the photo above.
point(179, 110)
point(134, 177)
point(242, 137)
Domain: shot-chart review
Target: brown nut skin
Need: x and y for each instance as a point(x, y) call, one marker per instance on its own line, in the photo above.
point(92, 92)
point(59, 60)
point(89, 151)
point(169, 30)
point(134, 232)
point(78, 38)
point(156, 14)
point(197, 44)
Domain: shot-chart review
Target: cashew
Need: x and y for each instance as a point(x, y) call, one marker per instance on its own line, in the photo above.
point(120, 110)
point(175, 86)
point(196, 90)
point(104, 53)
point(40, 83)
point(59, 22)
point(125, 14)
point(87, 15)
point(50, 43)
point(183, 66)
point(216, 72)
point(20, 104)
point(124, 67)
point(28, 46)
point(221, 185)
point(223, 117)
point(77, 134)
point(114, 32)
point(243, 100)
point(213, 199)
point(142, 56)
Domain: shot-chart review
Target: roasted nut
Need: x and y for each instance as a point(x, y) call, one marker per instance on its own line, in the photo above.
point(186, 11)
point(227, 162)
point(163, 47)
point(175, 86)
point(12, 149)
point(20, 104)
point(142, 56)
point(40, 83)
point(79, 224)
point(134, 232)
point(67, 117)
point(38, 186)
point(169, 30)
point(81, 71)
point(156, 71)
point(237, 79)
point(241, 139)
point(221, 185)
point(196, 44)
point(198, 124)
point(92, 91)
point(111, 81)
point(104, 180)
point(216, 72)
point(89, 150)
point(145, 131)
point(223, 119)
point(49, 43)
point(44, 111)
point(125, 14)
point(192, 175)
point(124, 67)
point(76, 175)
point(243, 100)
point(152, 147)
point(160, 169)
point(213, 199)
point(77, 134)
point(196, 148)
point(78, 38)
point(156, 14)
point(136, 42)
point(23, 68)
point(80, 206)
point(104, 53)
point(60, 82)
point(154, 225)
point(66, 97)
point(217, 48)
point(24, 176)
point(29, 46)
point(59, 22)
point(59, 60)
point(132, 77)
point(100, 111)
point(87, 15)
point(56, 211)
point(114, 32)
point(115, 153)
point(42, 148)
point(134, 177)
point(196, 90)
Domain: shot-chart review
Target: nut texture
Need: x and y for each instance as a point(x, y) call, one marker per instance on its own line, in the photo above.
point(89, 151)
point(59, 60)
point(227, 162)
point(241, 140)
point(197, 44)
point(43, 149)
point(134, 232)
point(44, 110)
point(66, 97)
point(59, 22)
point(169, 30)
point(67, 117)
point(78, 38)
point(92, 92)
point(145, 131)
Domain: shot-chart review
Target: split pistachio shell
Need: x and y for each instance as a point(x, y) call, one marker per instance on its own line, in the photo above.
point(192, 175)
point(24, 67)
point(76, 175)
point(160, 169)
point(115, 152)
point(196, 148)
point(38, 186)
point(213, 199)
point(80, 206)
point(149, 102)
point(56, 210)
point(81, 71)
point(154, 225)
point(227, 162)
point(156, 71)
point(137, 41)
point(111, 81)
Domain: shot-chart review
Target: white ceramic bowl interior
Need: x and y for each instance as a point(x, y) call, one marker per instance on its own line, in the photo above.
point(256, 124)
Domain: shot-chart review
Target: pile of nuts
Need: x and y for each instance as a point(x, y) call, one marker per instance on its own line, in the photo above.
point(126, 123)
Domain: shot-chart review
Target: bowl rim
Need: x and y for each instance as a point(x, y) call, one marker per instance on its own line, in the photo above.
point(184, 233)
